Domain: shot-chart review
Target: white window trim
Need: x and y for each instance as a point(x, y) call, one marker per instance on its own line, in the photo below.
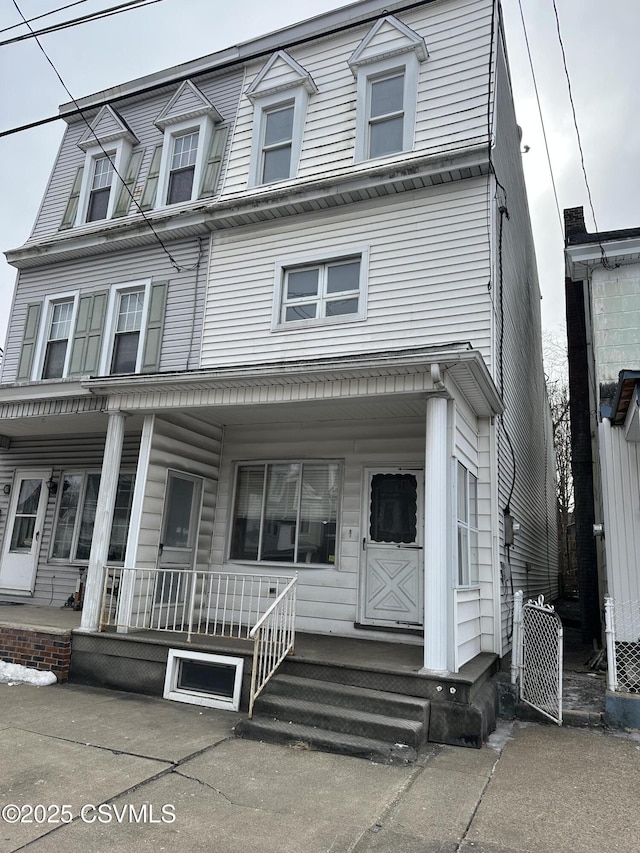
point(43, 333)
point(119, 152)
point(342, 254)
point(196, 697)
point(204, 126)
point(110, 323)
point(470, 583)
point(409, 65)
point(297, 96)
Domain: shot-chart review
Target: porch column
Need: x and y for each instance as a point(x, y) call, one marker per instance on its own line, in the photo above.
point(436, 504)
point(103, 520)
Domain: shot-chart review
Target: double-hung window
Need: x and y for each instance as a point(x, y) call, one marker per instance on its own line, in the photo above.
point(59, 327)
point(321, 291)
point(277, 143)
point(385, 115)
point(286, 512)
point(467, 515)
point(126, 339)
point(100, 191)
point(183, 165)
point(76, 512)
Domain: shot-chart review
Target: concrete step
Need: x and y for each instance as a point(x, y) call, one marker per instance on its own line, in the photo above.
point(346, 696)
point(346, 720)
point(300, 736)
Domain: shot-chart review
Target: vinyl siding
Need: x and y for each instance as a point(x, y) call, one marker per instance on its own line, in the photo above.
point(528, 476)
point(427, 282)
point(56, 580)
point(185, 297)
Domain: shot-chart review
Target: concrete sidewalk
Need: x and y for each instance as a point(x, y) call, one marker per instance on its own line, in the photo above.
point(535, 789)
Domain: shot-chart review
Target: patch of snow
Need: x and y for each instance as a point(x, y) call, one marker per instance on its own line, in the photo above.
point(15, 673)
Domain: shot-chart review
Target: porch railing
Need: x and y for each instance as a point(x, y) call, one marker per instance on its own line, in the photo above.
point(622, 629)
point(257, 608)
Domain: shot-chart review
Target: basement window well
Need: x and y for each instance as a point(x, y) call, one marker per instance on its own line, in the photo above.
point(214, 681)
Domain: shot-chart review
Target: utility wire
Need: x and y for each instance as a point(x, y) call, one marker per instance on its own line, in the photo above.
point(604, 260)
point(544, 131)
point(173, 261)
point(129, 6)
point(43, 15)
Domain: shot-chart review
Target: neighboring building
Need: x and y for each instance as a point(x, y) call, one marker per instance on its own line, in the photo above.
point(603, 326)
point(310, 343)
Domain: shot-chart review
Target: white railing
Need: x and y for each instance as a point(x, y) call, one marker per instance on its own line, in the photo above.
point(273, 639)
point(622, 629)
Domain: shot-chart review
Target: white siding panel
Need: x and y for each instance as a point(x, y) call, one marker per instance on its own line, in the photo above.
point(435, 294)
point(467, 628)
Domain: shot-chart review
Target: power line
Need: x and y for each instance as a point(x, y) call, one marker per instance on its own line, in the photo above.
point(544, 131)
point(173, 261)
point(129, 6)
point(43, 15)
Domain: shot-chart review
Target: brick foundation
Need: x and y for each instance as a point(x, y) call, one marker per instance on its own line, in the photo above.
point(43, 650)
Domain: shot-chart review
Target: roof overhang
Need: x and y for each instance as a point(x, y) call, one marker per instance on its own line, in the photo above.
point(581, 258)
point(624, 409)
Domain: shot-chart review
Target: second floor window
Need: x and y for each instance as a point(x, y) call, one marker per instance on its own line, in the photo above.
point(100, 189)
point(277, 143)
point(182, 168)
point(126, 343)
point(55, 356)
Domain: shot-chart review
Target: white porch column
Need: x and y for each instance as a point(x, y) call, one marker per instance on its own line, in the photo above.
point(104, 518)
point(436, 504)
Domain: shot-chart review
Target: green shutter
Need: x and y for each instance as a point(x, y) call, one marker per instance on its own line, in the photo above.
point(71, 210)
point(87, 338)
point(214, 162)
point(151, 184)
point(155, 323)
point(27, 351)
point(125, 189)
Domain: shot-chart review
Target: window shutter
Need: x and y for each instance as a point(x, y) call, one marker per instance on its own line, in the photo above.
point(155, 324)
point(27, 351)
point(151, 184)
point(85, 353)
point(71, 210)
point(125, 189)
point(212, 169)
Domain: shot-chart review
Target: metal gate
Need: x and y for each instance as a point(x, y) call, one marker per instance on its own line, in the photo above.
point(538, 652)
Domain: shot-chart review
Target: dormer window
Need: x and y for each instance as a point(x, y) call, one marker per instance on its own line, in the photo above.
point(385, 114)
point(183, 164)
point(276, 146)
point(100, 189)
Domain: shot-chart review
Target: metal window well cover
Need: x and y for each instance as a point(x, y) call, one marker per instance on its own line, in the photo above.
point(541, 673)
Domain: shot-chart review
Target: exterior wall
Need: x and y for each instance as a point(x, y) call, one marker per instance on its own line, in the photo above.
point(48, 651)
point(615, 302)
point(620, 467)
point(525, 444)
point(185, 296)
point(55, 579)
point(184, 443)
point(426, 291)
point(222, 91)
point(452, 91)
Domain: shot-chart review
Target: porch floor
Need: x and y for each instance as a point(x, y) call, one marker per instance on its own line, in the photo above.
point(38, 618)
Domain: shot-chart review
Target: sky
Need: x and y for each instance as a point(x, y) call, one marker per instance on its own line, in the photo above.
point(602, 55)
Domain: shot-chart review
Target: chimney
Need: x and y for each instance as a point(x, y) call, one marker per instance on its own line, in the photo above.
point(574, 221)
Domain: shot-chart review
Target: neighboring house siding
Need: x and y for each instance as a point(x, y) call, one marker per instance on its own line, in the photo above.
point(615, 297)
point(527, 480)
point(427, 281)
point(222, 91)
point(59, 453)
point(185, 295)
point(452, 92)
point(185, 443)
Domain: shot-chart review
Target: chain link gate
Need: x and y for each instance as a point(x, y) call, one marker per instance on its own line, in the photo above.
point(537, 650)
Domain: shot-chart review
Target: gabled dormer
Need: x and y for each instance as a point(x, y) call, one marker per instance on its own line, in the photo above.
point(386, 65)
point(279, 94)
point(186, 164)
point(97, 192)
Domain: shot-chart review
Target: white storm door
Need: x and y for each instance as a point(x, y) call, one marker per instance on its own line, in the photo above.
point(179, 535)
point(393, 570)
point(23, 532)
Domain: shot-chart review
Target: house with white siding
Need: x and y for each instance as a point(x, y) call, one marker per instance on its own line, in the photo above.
point(603, 298)
point(279, 319)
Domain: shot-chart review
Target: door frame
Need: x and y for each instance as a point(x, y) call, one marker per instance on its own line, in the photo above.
point(368, 472)
point(21, 474)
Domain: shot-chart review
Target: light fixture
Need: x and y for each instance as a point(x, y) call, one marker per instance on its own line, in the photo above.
point(7, 488)
point(52, 486)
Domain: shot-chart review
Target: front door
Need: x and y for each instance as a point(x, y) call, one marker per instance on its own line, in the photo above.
point(23, 532)
point(179, 535)
point(393, 576)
